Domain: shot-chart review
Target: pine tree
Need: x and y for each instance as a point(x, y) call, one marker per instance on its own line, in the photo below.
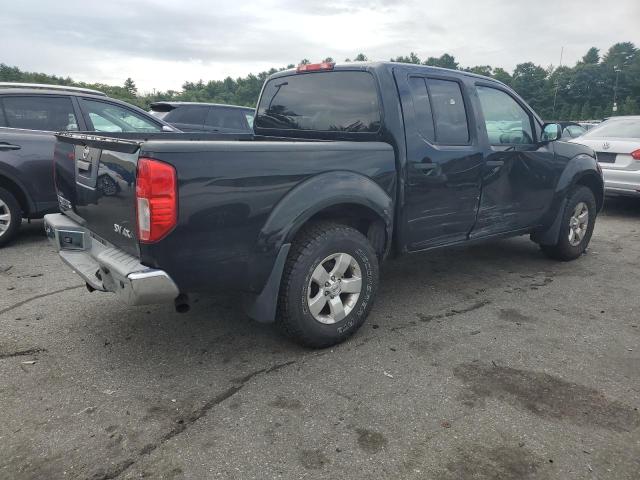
point(585, 113)
point(575, 112)
point(630, 106)
point(597, 114)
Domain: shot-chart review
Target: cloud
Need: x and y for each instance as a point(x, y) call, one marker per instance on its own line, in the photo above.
point(161, 44)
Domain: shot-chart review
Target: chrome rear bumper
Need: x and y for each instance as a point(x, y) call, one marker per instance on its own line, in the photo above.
point(107, 268)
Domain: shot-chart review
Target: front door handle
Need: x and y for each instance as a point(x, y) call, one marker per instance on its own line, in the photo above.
point(495, 163)
point(7, 146)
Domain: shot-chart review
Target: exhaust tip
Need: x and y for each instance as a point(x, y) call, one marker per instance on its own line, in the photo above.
point(182, 303)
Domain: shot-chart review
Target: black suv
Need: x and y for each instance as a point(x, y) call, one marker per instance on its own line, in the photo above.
point(205, 117)
point(29, 116)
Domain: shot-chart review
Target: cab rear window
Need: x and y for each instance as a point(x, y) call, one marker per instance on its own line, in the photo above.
point(326, 102)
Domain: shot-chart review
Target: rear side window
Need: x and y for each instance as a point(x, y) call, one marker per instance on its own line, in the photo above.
point(226, 118)
point(422, 108)
point(193, 115)
point(449, 114)
point(327, 101)
point(108, 117)
point(51, 114)
point(439, 111)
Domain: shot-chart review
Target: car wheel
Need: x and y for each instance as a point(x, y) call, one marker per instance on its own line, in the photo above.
point(10, 216)
point(328, 286)
point(577, 226)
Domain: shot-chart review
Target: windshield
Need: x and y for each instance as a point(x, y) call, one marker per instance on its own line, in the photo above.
point(618, 127)
point(330, 102)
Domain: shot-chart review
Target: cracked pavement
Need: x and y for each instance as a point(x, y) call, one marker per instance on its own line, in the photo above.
point(489, 362)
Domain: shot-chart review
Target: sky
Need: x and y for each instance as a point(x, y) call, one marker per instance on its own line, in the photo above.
point(162, 44)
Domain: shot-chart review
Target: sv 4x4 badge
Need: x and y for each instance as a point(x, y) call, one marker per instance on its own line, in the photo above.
point(125, 232)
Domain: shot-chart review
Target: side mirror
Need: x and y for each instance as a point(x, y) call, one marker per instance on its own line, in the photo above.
point(551, 132)
point(167, 128)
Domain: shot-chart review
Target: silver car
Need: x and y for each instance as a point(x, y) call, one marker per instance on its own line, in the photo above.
point(616, 142)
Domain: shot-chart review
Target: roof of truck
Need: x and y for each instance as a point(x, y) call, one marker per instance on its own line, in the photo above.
point(204, 104)
point(408, 66)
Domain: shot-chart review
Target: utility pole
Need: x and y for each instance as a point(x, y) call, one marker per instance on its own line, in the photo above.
point(615, 89)
point(555, 94)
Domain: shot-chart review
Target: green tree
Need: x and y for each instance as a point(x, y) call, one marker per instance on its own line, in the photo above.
point(485, 70)
point(585, 113)
point(630, 106)
point(502, 75)
point(530, 81)
point(597, 113)
point(565, 112)
point(361, 57)
point(130, 87)
point(575, 113)
point(592, 56)
point(443, 61)
point(412, 58)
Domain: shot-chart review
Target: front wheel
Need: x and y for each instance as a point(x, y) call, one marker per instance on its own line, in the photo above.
point(577, 226)
point(328, 285)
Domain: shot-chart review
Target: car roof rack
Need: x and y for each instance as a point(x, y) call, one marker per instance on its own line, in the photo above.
point(46, 86)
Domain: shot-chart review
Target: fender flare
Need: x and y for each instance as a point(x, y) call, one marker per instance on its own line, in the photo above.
point(578, 168)
point(318, 193)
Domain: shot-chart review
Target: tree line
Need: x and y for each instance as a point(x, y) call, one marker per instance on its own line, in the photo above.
point(584, 91)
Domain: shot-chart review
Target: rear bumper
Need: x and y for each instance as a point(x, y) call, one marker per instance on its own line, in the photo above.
point(105, 267)
point(621, 182)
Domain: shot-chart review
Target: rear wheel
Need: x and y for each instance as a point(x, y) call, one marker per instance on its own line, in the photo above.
point(328, 285)
point(10, 216)
point(577, 226)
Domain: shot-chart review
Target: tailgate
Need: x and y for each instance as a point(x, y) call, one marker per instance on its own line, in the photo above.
point(95, 182)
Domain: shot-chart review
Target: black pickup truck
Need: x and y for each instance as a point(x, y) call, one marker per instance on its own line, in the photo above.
point(348, 164)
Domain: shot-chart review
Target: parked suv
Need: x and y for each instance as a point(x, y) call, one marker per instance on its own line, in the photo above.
point(29, 116)
point(205, 117)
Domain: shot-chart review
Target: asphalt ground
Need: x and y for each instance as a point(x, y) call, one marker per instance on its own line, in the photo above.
point(489, 362)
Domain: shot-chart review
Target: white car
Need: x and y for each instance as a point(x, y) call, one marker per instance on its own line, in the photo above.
point(616, 142)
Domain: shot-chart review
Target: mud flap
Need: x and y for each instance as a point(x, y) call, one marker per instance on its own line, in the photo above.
point(262, 308)
point(550, 235)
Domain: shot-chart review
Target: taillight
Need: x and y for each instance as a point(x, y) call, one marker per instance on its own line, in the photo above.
point(636, 154)
point(314, 67)
point(156, 199)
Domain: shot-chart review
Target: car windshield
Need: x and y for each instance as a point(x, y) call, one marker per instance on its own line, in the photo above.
point(619, 128)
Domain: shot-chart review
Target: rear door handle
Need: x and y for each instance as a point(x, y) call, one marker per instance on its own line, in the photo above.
point(495, 163)
point(8, 146)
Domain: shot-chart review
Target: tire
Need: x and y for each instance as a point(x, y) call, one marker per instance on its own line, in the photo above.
point(322, 269)
point(10, 216)
point(570, 244)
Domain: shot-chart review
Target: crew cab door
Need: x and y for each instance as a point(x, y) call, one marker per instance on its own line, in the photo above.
point(518, 176)
point(444, 160)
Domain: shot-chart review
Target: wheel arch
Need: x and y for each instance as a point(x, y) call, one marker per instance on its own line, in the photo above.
point(12, 185)
point(345, 197)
